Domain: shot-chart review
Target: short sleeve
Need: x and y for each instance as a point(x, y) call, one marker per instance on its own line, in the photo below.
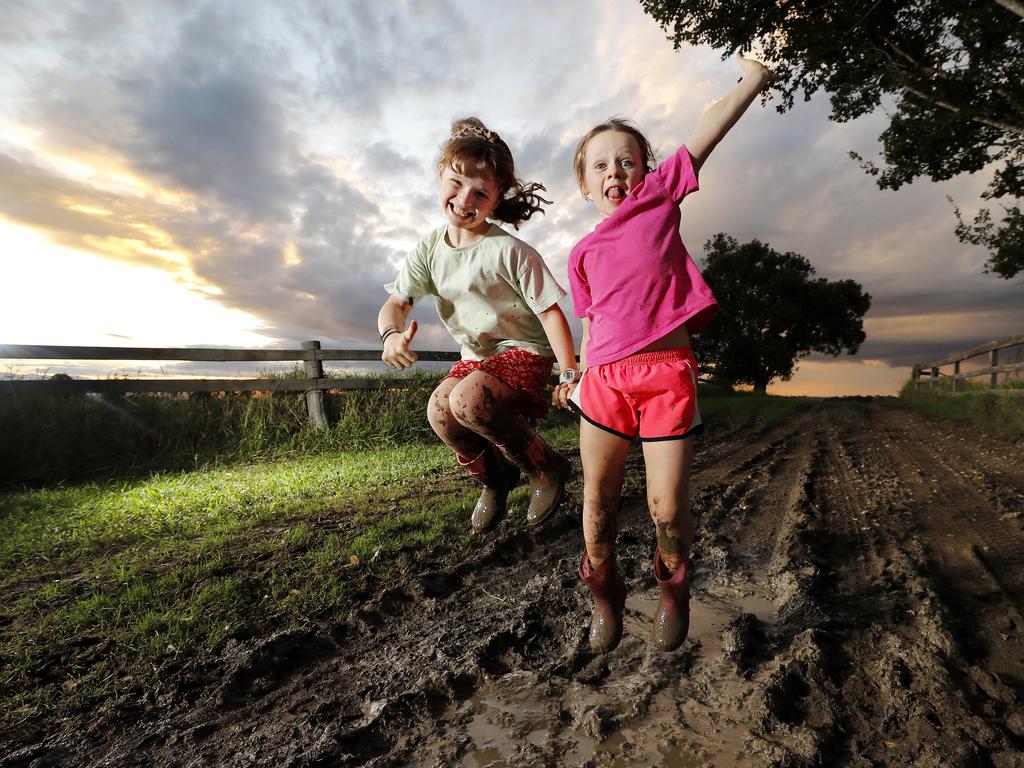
point(677, 175)
point(536, 283)
point(579, 285)
point(414, 280)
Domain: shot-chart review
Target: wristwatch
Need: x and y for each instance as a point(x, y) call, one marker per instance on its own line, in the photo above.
point(568, 376)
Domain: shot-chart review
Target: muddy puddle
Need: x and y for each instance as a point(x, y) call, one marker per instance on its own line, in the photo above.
point(522, 715)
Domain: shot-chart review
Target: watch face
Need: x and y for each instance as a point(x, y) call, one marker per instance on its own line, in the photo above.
point(567, 376)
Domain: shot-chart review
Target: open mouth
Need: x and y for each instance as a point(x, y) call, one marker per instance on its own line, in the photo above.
point(462, 213)
point(615, 194)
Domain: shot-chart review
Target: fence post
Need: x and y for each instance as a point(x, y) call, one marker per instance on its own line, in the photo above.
point(915, 376)
point(993, 362)
point(956, 375)
point(314, 397)
point(934, 378)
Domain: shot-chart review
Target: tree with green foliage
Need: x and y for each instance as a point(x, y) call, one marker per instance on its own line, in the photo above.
point(774, 311)
point(953, 68)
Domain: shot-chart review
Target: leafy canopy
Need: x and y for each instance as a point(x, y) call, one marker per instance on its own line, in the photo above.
point(774, 312)
point(954, 68)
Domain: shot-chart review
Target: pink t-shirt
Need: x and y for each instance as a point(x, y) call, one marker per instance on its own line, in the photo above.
point(632, 277)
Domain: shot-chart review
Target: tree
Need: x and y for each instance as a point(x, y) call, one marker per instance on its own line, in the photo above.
point(774, 312)
point(955, 69)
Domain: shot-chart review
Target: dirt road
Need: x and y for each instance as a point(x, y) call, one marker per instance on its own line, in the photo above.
point(858, 601)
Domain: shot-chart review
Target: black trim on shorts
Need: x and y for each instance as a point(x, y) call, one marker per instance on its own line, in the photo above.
point(600, 426)
point(692, 431)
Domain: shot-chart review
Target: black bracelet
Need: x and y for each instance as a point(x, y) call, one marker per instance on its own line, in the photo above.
point(387, 333)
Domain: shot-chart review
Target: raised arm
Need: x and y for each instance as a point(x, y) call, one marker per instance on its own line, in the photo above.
point(723, 114)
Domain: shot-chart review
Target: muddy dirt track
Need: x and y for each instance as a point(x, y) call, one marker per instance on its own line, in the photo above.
point(858, 601)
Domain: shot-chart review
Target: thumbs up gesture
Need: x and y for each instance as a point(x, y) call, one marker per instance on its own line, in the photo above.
point(396, 348)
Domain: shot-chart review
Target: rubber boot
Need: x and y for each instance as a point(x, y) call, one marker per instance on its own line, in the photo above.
point(672, 618)
point(609, 601)
point(498, 478)
point(547, 473)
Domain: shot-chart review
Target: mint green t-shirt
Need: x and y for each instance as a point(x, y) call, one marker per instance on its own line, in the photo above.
point(488, 293)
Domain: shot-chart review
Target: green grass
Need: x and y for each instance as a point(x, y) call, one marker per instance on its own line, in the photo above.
point(1000, 411)
point(181, 561)
point(49, 439)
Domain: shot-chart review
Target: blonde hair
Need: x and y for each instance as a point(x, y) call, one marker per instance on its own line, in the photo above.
point(472, 146)
point(621, 125)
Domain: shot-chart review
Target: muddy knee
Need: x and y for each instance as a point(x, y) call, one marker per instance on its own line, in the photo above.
point(439, 415)
point(472, 405)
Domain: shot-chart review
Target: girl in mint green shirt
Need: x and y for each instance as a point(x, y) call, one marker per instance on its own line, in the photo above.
point(499, 301)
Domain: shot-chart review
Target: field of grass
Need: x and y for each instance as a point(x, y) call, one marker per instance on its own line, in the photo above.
point(51, 439)
point(111, 584)
point(1000, 410)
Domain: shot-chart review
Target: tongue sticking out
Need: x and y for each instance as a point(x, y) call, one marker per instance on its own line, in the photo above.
point(615, 193)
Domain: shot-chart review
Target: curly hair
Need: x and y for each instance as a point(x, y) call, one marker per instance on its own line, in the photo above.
point(473, 146)
point(621, 125)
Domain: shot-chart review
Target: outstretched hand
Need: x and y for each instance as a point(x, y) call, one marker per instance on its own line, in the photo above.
point(396, 348)
point(750, 66)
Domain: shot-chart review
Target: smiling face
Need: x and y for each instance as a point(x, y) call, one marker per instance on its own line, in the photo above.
point(613, 165)
point(467, 199)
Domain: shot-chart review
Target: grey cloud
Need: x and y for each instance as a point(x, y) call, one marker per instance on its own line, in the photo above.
point(998, 296)
point(380, 158)
point(373, 51)
point(906, 352)
point(219, 138)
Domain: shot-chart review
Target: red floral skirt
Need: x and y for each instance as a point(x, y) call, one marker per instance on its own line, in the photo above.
point(524, 371)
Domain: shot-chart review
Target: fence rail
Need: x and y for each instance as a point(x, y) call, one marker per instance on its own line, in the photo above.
point(992, 370)
point(310, 355)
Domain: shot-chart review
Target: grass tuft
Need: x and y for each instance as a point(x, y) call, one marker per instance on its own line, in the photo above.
point(993, 410)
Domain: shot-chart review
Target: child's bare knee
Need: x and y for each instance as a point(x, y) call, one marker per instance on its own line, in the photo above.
point(439, 413)
point(667, 509)
point(468, 404)
point(601, 494)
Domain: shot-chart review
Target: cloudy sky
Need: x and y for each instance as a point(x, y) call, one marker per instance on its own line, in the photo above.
point(250, 174)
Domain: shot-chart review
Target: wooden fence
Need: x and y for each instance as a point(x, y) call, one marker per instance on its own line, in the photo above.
point(311, 355)
point(992, 370)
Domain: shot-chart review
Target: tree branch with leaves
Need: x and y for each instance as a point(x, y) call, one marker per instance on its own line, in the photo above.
point(955, 69)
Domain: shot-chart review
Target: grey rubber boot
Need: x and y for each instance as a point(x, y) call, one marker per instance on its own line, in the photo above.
point(547, 473)
point(498, 478)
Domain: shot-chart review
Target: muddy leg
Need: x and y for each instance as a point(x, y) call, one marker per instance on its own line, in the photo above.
point(668, 497)
point(460, 439)
point(477, 455)
point(604, 459)
point(490, 407)
point(668, 485)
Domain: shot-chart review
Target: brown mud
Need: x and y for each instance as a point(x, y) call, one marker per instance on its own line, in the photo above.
point(858, 600)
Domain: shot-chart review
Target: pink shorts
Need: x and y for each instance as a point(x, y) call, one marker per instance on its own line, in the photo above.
point(522, 370)
point(650, 394)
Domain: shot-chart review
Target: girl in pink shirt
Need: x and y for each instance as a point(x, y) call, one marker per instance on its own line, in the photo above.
point(640, 296)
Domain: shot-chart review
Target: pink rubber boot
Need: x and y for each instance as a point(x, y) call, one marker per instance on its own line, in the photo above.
point(609, 601)
point(672, 618)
